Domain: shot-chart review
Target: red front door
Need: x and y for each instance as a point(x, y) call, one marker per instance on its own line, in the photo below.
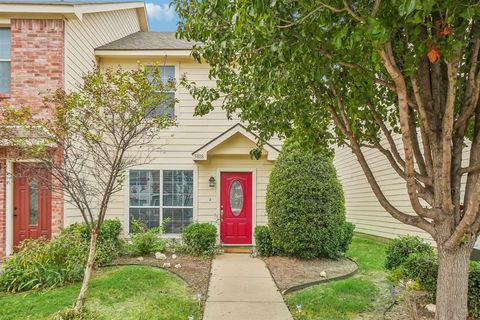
point(32, 202)
point(236, 207)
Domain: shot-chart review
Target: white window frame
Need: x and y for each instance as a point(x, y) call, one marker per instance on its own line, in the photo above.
point(176, 108)
point(160, 207)
point(8, 60)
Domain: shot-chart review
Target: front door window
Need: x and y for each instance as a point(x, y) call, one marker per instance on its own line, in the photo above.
point(236, 198)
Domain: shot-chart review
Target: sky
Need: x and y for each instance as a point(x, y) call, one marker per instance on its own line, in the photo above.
point(161, 15)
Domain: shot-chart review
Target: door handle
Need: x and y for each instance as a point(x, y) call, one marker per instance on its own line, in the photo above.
point(15, 212)
point(221, 215)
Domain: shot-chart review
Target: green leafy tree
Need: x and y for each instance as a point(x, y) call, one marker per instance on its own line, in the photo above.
point(93, 136)
point(355, 73)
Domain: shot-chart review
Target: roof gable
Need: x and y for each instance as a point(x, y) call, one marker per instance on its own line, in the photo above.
point(232, 134)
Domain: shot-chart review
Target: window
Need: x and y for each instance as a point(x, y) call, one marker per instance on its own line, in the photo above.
point(4, 60)
point(174, 204)
point(33, 214)
point(167, 106)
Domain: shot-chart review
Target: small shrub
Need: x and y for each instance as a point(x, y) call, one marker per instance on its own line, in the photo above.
point(263, 241)
point(44, 263)
point(109, 244)
point(306, 205)
point(399, 250)
point(423, 268)
point(200, 238)
point(175, 245)
point(474, 290)
point(145, 241)
point(72, 314)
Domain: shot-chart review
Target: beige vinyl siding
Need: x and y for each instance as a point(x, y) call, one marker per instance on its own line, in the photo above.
point(176, 145)
point(208, 200)
point(96, 29)
point(362, 206)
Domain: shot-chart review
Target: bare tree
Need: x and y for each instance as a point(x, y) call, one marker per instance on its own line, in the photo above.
point(94, 136)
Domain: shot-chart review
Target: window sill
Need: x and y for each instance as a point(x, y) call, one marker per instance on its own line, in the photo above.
point(5, 95)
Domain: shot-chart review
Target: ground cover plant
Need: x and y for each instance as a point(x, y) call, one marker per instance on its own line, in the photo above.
point(43, 263)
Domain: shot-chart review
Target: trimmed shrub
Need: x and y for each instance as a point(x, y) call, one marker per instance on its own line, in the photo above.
point(305, 206)
point(200, 238)
point(145, 241)
point(400, 249)
point(474, 290)
point(263, 241)
point(44, 263)
point(109, 244)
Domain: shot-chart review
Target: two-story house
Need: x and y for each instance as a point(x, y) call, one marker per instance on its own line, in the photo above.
point(203, 171)
point(45, 45)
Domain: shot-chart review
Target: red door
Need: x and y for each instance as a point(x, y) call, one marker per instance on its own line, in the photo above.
point(236, 207)
point(32, 202)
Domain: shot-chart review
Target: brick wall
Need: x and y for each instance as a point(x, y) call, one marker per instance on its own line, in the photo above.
point(37, 66)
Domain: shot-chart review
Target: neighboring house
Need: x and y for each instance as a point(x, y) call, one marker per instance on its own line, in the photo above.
point(362, 206)
point(45, 45)
point(203, 171)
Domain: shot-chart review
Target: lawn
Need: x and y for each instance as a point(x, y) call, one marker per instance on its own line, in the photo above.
point(128, 292)
point(364, 296)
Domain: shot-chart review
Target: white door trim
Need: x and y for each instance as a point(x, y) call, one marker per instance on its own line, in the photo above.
point(8, 207)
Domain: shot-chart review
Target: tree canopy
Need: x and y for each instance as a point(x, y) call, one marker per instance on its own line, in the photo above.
point(356, 73)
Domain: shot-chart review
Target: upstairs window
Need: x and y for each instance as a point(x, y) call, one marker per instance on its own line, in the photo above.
point(168, 105)
point(4, 60)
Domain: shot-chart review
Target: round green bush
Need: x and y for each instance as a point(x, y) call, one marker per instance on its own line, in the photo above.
point(306, 206)
point(400, 248)
point(200, 238)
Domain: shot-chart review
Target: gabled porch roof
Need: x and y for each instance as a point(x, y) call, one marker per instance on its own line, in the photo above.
point(201, 154)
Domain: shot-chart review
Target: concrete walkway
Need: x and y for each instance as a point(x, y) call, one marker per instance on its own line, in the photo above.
point(241, 288)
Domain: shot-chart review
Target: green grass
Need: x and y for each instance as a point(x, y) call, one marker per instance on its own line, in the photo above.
point(129, 292)
point(364, 296)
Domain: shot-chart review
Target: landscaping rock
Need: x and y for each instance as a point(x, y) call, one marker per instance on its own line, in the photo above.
point(323, 274)
point(431, 308)
point(160, 256)
point(178, 266)
point(174, 256)
point(140, 259)
point(167, 265)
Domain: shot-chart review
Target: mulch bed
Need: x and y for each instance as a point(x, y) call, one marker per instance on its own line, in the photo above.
point(293, 274)
point(194, 270)
point(409, 307)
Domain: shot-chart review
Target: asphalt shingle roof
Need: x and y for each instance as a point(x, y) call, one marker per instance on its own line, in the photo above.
point(149, 41)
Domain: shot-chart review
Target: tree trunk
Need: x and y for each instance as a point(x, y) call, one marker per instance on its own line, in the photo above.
point(82, 296)
point(452, 283)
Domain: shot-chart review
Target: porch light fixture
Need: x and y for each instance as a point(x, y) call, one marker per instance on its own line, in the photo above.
point(211, 182)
